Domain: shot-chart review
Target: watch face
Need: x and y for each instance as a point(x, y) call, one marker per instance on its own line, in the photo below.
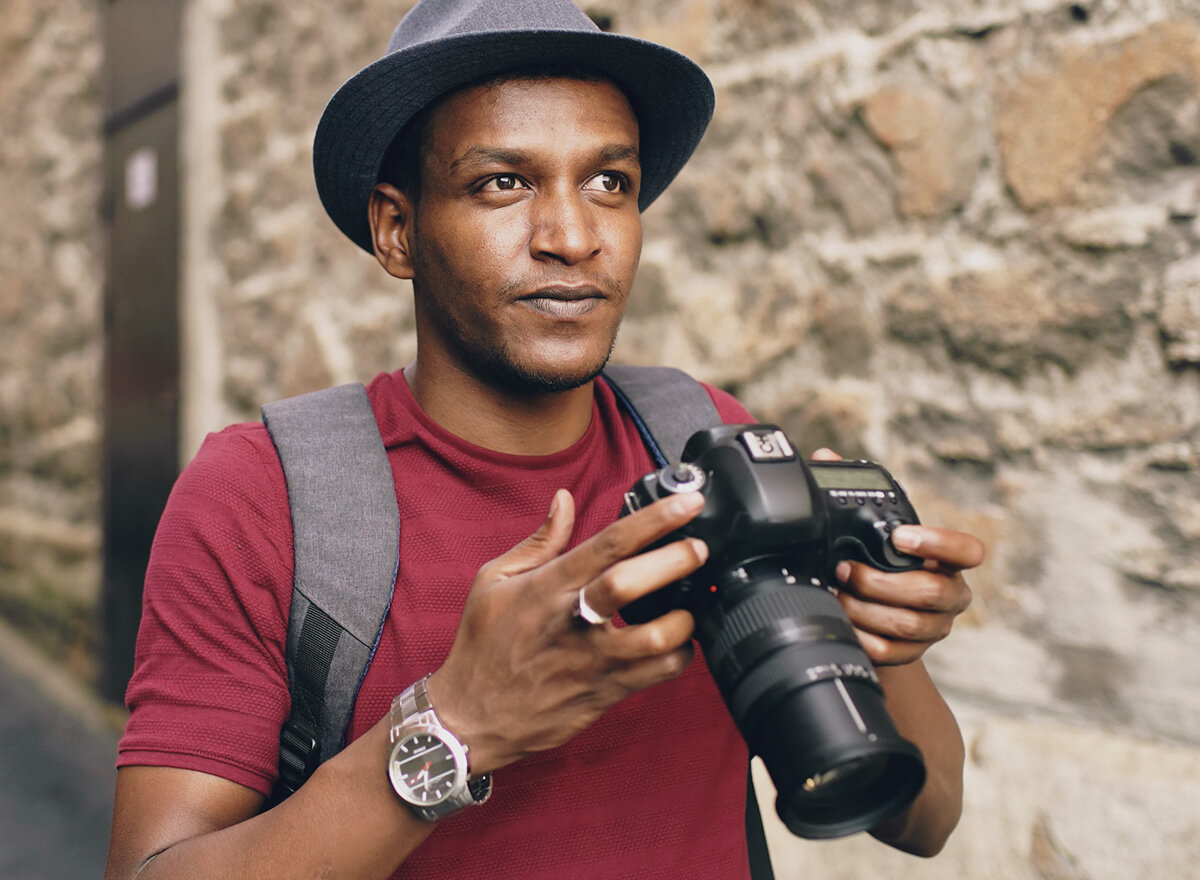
point(423, 769)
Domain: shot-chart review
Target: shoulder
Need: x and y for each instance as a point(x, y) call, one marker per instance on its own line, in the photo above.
point(730, 408)
point(238, 461)
point(228, 508)
point(672, 389)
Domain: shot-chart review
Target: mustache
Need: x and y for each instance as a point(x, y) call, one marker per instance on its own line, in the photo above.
point(606, 285)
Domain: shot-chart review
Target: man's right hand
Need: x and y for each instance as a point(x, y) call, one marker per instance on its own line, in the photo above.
point(524, 675)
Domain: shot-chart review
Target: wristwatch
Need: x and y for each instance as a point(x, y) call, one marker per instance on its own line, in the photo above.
point(428, 766)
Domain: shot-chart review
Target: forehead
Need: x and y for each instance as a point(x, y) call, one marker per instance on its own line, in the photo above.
point(547, 111)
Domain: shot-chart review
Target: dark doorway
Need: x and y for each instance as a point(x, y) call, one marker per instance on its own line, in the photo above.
point(141, 369)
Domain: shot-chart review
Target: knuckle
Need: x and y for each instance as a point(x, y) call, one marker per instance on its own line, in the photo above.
point(676, 662)
point(609, 544)
point(911, 627)
point(929, 591)
point(946, 624)
point(654, 641)
point(883, 653)
point(609, 589)
point(488, 571)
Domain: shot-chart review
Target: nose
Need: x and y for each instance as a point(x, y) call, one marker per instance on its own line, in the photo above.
point(564, 228)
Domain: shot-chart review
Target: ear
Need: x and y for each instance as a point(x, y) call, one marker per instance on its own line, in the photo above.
point(392, 215)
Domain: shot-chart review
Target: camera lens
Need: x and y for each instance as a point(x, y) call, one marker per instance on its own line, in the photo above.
point(851, 776)
point(808, 702)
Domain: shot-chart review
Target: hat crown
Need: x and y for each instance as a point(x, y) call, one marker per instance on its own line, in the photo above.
point(441, 19)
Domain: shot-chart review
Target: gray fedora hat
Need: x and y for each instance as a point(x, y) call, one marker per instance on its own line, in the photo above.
point(443, 44)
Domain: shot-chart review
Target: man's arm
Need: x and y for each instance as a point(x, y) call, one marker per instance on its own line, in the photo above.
point(345, 821)
point(897, 617)
point(922, 717)
point(521, 677)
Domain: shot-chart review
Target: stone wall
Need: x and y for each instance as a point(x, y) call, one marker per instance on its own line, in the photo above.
point(51, 282)
point(959, 237)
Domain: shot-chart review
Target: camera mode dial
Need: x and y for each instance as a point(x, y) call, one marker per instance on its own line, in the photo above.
point(683, 477)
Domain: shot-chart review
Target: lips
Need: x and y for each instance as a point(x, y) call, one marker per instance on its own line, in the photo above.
point(563, 302)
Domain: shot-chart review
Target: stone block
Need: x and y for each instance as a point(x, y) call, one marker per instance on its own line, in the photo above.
point(932, 143)
point(863, 194)
point(1050, 123)
point(1012, 320)
point(1180, 315)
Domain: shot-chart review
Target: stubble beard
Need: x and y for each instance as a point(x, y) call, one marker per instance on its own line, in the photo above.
point(493, 363)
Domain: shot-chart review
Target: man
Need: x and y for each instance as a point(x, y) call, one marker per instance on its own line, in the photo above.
point(530, 143)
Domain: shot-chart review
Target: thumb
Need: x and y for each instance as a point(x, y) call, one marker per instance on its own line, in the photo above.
point(825, 454)
point(550, 540)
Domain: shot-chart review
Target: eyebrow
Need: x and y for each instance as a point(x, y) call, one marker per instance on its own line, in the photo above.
point(478, 155)
point(489, 155)
point(620, 153)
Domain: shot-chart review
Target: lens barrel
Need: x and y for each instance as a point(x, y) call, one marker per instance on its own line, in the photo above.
point(807, 700)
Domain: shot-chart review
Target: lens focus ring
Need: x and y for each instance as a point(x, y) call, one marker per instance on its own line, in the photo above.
point(766, 622)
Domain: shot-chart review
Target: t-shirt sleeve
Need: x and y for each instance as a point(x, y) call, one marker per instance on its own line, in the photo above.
point(730, 410)
point(209, 690)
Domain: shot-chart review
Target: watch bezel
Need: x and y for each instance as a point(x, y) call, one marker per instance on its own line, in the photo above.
point(413, 728)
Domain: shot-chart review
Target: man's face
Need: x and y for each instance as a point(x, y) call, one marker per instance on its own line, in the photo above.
point(527, 232)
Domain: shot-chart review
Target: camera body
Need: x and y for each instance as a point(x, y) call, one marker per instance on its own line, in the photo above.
point(763, 499)
point(777, 642)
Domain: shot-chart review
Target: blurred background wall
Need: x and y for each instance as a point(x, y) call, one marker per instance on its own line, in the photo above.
point(958, 237)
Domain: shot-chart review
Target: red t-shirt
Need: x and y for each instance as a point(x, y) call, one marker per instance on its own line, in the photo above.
point(654, 789)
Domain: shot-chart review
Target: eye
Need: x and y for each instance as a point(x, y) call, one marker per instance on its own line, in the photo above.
point(503, 183)
point(607, 181)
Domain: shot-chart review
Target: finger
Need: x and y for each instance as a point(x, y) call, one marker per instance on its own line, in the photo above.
point(655, 669)
point(895, 623)
point(825, 454)
point(920, 589)
point(644, 573)
point(662, 635)
point(888, 652)
point(548, 542)
point(949, 548)
point(625, 537)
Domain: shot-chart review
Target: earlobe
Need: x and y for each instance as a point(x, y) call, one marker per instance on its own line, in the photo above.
point(391, 214)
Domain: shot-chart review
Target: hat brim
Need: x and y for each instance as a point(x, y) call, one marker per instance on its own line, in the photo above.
point(671, 96)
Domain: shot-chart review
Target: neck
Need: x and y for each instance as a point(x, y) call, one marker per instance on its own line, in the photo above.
point(502, 420)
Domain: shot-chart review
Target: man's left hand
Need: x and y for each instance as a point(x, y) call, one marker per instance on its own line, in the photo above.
point(898, 615)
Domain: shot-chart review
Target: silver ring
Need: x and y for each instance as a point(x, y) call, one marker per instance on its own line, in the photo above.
point(585, 612)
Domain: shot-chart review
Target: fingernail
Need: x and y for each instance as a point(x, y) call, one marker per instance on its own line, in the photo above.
point(842, 572)
point(554, 504)
point(701, 549)
point(907, 538)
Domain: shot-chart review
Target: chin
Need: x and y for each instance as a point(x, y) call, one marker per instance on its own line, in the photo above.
point(542, 381)
point(538, 369)
point(547, 376)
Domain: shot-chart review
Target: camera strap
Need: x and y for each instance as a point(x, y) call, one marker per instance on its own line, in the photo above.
point(346, 527)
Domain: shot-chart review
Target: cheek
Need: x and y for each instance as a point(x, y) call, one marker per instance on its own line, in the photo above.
point(629, 250)
point(483, 254)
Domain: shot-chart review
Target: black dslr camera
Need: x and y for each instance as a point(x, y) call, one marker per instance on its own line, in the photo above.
point(783, 654)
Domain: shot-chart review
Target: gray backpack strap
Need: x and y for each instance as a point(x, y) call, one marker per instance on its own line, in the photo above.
point(346, 528)
point(666, 404)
